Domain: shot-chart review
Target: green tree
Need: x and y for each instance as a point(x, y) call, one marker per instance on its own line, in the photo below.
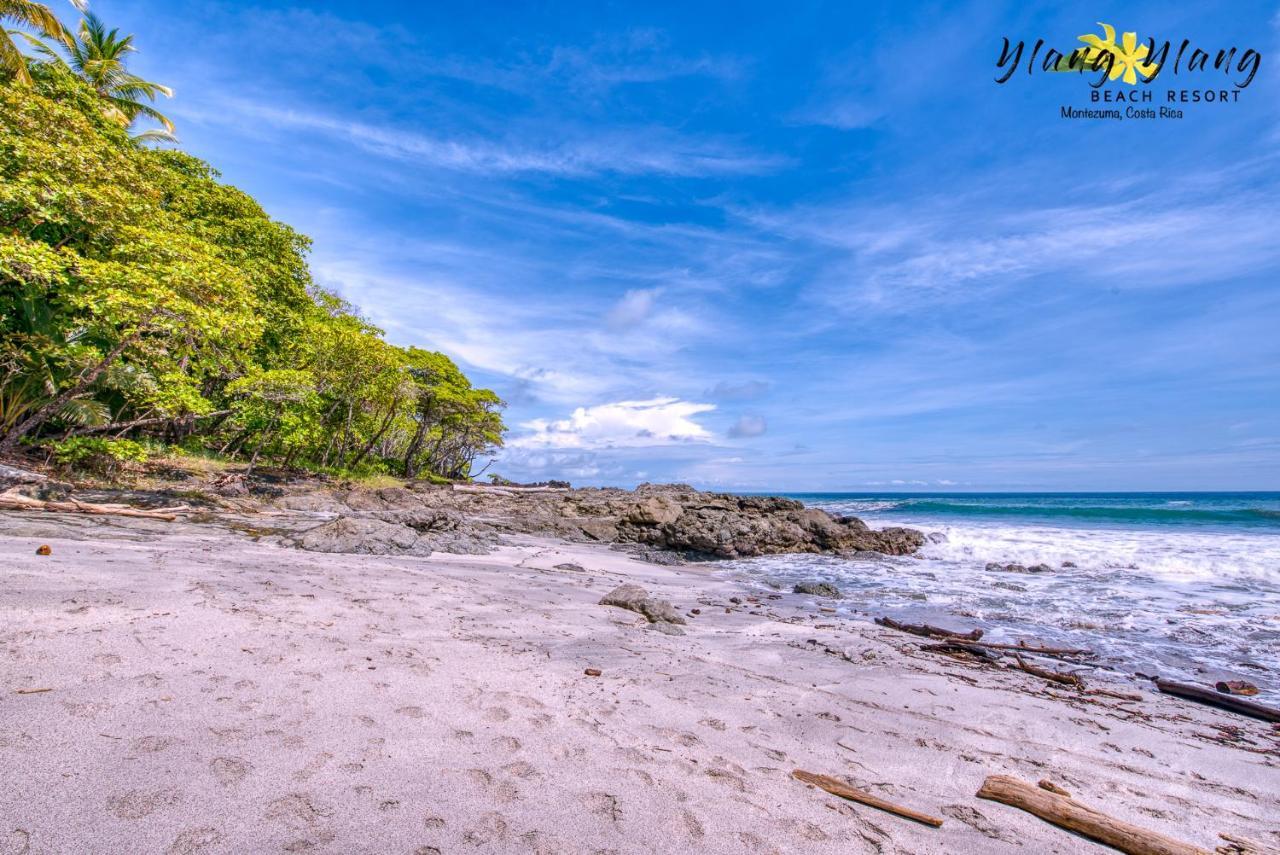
point(139, 295)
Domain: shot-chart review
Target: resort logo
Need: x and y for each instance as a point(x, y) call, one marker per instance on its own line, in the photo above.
point(1123, 73)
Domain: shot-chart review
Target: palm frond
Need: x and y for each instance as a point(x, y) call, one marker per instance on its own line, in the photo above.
point(12, 61)
point(133, 109)
point(155, 135)
point(38, 17)
point(84, 412)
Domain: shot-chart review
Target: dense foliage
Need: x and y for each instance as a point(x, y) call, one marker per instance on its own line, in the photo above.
point(141, 298)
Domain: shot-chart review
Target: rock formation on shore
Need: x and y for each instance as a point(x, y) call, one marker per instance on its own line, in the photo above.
point(674, 517)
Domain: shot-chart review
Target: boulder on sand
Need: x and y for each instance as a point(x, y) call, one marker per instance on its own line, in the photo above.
point(637, 599)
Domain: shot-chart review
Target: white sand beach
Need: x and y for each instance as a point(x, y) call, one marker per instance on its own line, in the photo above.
point(209, 693)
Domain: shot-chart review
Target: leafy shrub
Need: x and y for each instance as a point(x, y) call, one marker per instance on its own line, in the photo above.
point(96, 454)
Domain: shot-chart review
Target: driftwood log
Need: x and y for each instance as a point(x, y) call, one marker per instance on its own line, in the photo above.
point(969, 647)
point(1070, 814)
point(928, 631)
point(1042, 650)
point(839, 788)
point(16, 502)
point(1046, 674)
point(1219, 699)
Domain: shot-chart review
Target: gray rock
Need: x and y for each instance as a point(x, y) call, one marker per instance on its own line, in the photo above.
point(637, 599)
point(11, 476)
point(671, 523)
point(570, 567)
point(1039, 568)
point(363, 536)
point(818, 589)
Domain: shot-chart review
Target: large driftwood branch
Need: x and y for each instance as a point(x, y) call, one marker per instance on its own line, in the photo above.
point(928, 631)
point(1070, 814)
point(1041, 650)
point(15, 502)
point(840, 788)
point(1219, 699)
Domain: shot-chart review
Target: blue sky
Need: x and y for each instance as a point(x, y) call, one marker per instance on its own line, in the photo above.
point(787, 246)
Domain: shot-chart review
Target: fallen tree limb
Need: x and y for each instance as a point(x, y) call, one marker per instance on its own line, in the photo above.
point(1046, 674)
point(16, 502)
point(963, 647)
point(1044, 651)
point(147, 422)
point(928, 631)
point(1070, 814)
point(844, 791)
point(1218, 699)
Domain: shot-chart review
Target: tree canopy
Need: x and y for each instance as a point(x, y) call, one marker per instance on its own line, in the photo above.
point(142, 297)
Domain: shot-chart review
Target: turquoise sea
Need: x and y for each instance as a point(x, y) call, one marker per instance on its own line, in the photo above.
point(1184, 585)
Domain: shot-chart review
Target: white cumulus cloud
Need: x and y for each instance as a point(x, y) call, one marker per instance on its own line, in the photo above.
point(657, 421)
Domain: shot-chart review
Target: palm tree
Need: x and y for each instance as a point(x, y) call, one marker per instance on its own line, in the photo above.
point(98, 55)
point(38, 17)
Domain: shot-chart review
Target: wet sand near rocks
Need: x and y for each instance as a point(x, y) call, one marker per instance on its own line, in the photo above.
point(212, 693)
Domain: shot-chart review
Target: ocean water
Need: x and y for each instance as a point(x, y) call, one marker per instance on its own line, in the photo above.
point(1183, 585)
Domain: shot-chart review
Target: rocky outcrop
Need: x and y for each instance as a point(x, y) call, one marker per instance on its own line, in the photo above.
point(671, 519)
point(372, 536)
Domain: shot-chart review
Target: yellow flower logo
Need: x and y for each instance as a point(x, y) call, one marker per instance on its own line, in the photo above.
point(1128, 55)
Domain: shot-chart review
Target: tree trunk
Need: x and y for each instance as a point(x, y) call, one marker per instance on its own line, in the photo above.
point(262, 439)
point(386, 423)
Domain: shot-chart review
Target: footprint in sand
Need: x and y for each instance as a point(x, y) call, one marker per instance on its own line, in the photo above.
point(603, 805)
point(507, 743)
point(490, 828)
point(521, 769)
point(229, 770)
point(411, 712)
point(497, 714)
point(136, 804)
point(17, 842)
point(151, 744)
point(297, 810)
point(194, 840)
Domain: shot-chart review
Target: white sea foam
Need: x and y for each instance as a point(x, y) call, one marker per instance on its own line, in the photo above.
point(1193, 604)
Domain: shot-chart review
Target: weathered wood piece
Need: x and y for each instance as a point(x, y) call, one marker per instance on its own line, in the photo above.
point(1070, 814)
point(1218, 699)
point(928, 631)
point(839, 788)
point(1046, 674)
point(16, 502)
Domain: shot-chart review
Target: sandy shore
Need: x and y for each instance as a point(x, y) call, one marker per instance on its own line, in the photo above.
point(210, 693)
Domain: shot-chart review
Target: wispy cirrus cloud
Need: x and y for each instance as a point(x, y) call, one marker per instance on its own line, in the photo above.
point(638, 150)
